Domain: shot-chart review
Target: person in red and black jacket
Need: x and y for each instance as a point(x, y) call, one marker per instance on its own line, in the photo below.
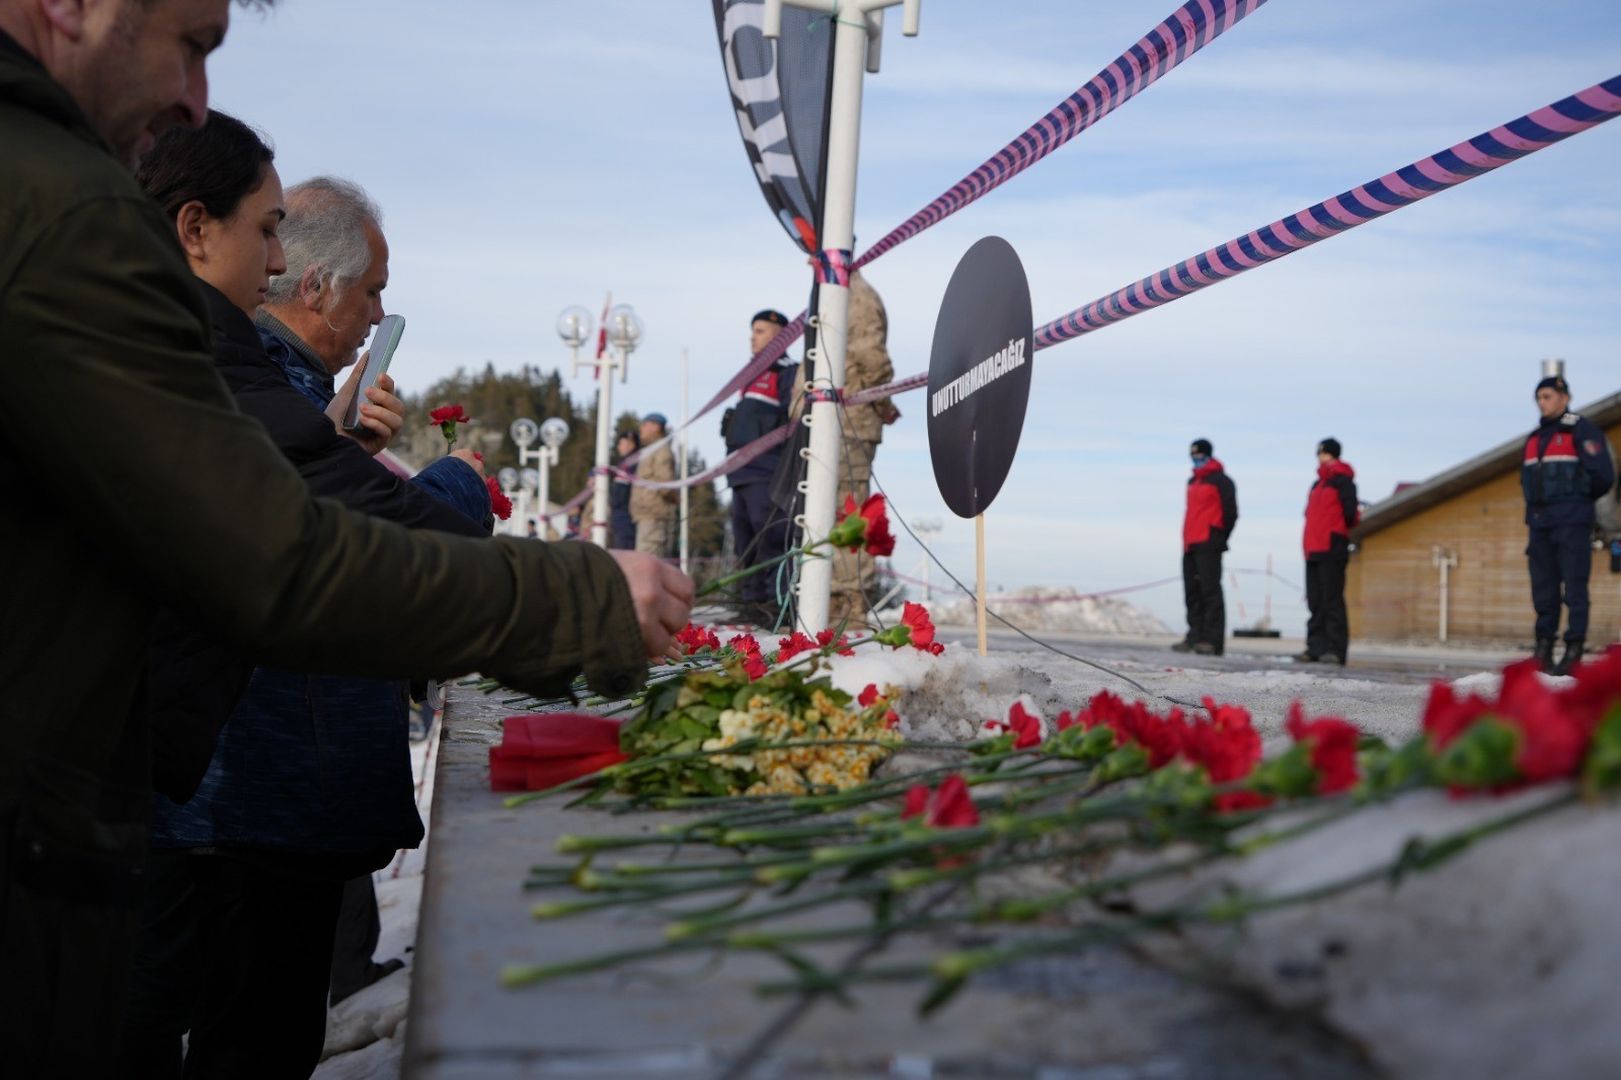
point(1212, 512)
point(1331, 511)
point(1566, 467)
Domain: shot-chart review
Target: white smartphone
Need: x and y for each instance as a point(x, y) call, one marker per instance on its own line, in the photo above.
point(383, 343)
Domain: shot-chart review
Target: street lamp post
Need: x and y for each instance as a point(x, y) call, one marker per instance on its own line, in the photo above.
point(552, 435)
point(624, 333)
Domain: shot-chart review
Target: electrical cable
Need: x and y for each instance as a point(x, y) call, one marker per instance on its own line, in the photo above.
point(1017, 629)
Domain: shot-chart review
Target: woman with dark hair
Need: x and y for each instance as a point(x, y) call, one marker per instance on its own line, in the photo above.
point(260, 821)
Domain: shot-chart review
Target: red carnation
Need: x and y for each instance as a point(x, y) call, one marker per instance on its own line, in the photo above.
point(840, 645)
point(748, 650)
point(948, 806)
point(1333, 744)
point(1227, 747)
point(1446, 716)
point(693, 639)
point(794, 645)
point(500, 505)
point(1160, 736)
point(1552, 729)
point(879, 539)
point(1598, 687)
point(865, 526)
point(914, 629)
point(1025, 727)
point(870, 696)
point(447, 417)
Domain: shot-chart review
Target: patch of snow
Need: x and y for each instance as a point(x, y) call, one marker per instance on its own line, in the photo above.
point(949, 697)
point(1498, 962)
point(1038, 608)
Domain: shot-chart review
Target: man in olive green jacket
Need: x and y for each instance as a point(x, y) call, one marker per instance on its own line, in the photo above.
point(129, 480)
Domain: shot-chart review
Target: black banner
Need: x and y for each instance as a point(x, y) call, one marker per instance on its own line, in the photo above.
point(780, 95)
point(979, 376)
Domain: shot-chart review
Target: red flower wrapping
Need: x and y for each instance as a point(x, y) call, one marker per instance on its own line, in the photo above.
point(500, 505)
point(541, 750)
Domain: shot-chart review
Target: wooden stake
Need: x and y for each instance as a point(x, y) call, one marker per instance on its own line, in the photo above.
point(979, 571)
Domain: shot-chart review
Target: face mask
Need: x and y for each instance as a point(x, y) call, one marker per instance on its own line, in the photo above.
point(1198, 459)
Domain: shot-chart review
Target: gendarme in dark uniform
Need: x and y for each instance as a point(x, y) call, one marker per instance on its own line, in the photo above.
point(1566, 467)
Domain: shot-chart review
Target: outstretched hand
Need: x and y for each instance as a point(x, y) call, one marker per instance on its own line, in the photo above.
point(662, 596)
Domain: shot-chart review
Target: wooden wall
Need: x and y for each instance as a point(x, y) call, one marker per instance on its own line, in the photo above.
point(1393, 590)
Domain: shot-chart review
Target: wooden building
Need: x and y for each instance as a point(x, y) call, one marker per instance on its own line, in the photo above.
point(1472, 518)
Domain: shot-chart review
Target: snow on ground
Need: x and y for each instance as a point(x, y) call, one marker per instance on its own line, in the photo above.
point(950, 696)
point(1038, 608)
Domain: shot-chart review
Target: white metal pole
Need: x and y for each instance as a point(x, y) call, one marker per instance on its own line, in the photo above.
point(599, 505)
point(686, 501)
point(545, 492)
point(516, 528)
point(832, 314)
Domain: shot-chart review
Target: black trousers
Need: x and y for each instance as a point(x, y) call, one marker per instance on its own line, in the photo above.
point(1561, 560)
point(1328, 629)
point(64, 955)
point(239, 953)
point(359, 927)
point(1207, 605)
point(759, 534)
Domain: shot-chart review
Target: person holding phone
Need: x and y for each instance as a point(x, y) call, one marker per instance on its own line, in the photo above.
point(308, 787)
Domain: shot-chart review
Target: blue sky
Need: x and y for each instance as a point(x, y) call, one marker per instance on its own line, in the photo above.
point(530, 154)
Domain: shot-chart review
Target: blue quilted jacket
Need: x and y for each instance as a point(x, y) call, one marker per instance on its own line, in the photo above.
point(314, 764)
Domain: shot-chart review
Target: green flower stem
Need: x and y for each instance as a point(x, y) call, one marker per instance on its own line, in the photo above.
point(630, 869)
point(1417, 855)
point(749, 571)
point(650, 887)
point(742, 837)
point(710, 926)
point(556, 909)
point(527, 974)
point(920, 876)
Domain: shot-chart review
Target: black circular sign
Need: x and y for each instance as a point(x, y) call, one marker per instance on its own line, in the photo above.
point(979, 376)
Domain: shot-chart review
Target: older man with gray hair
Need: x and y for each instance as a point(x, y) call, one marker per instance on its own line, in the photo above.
point(319, 313)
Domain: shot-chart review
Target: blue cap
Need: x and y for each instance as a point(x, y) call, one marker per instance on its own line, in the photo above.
point(657, 418)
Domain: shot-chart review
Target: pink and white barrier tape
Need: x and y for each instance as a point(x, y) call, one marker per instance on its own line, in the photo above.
point(1184, 32)
point(1374, 199)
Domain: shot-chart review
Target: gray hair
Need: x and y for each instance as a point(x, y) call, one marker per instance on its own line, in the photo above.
point(325, 231)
